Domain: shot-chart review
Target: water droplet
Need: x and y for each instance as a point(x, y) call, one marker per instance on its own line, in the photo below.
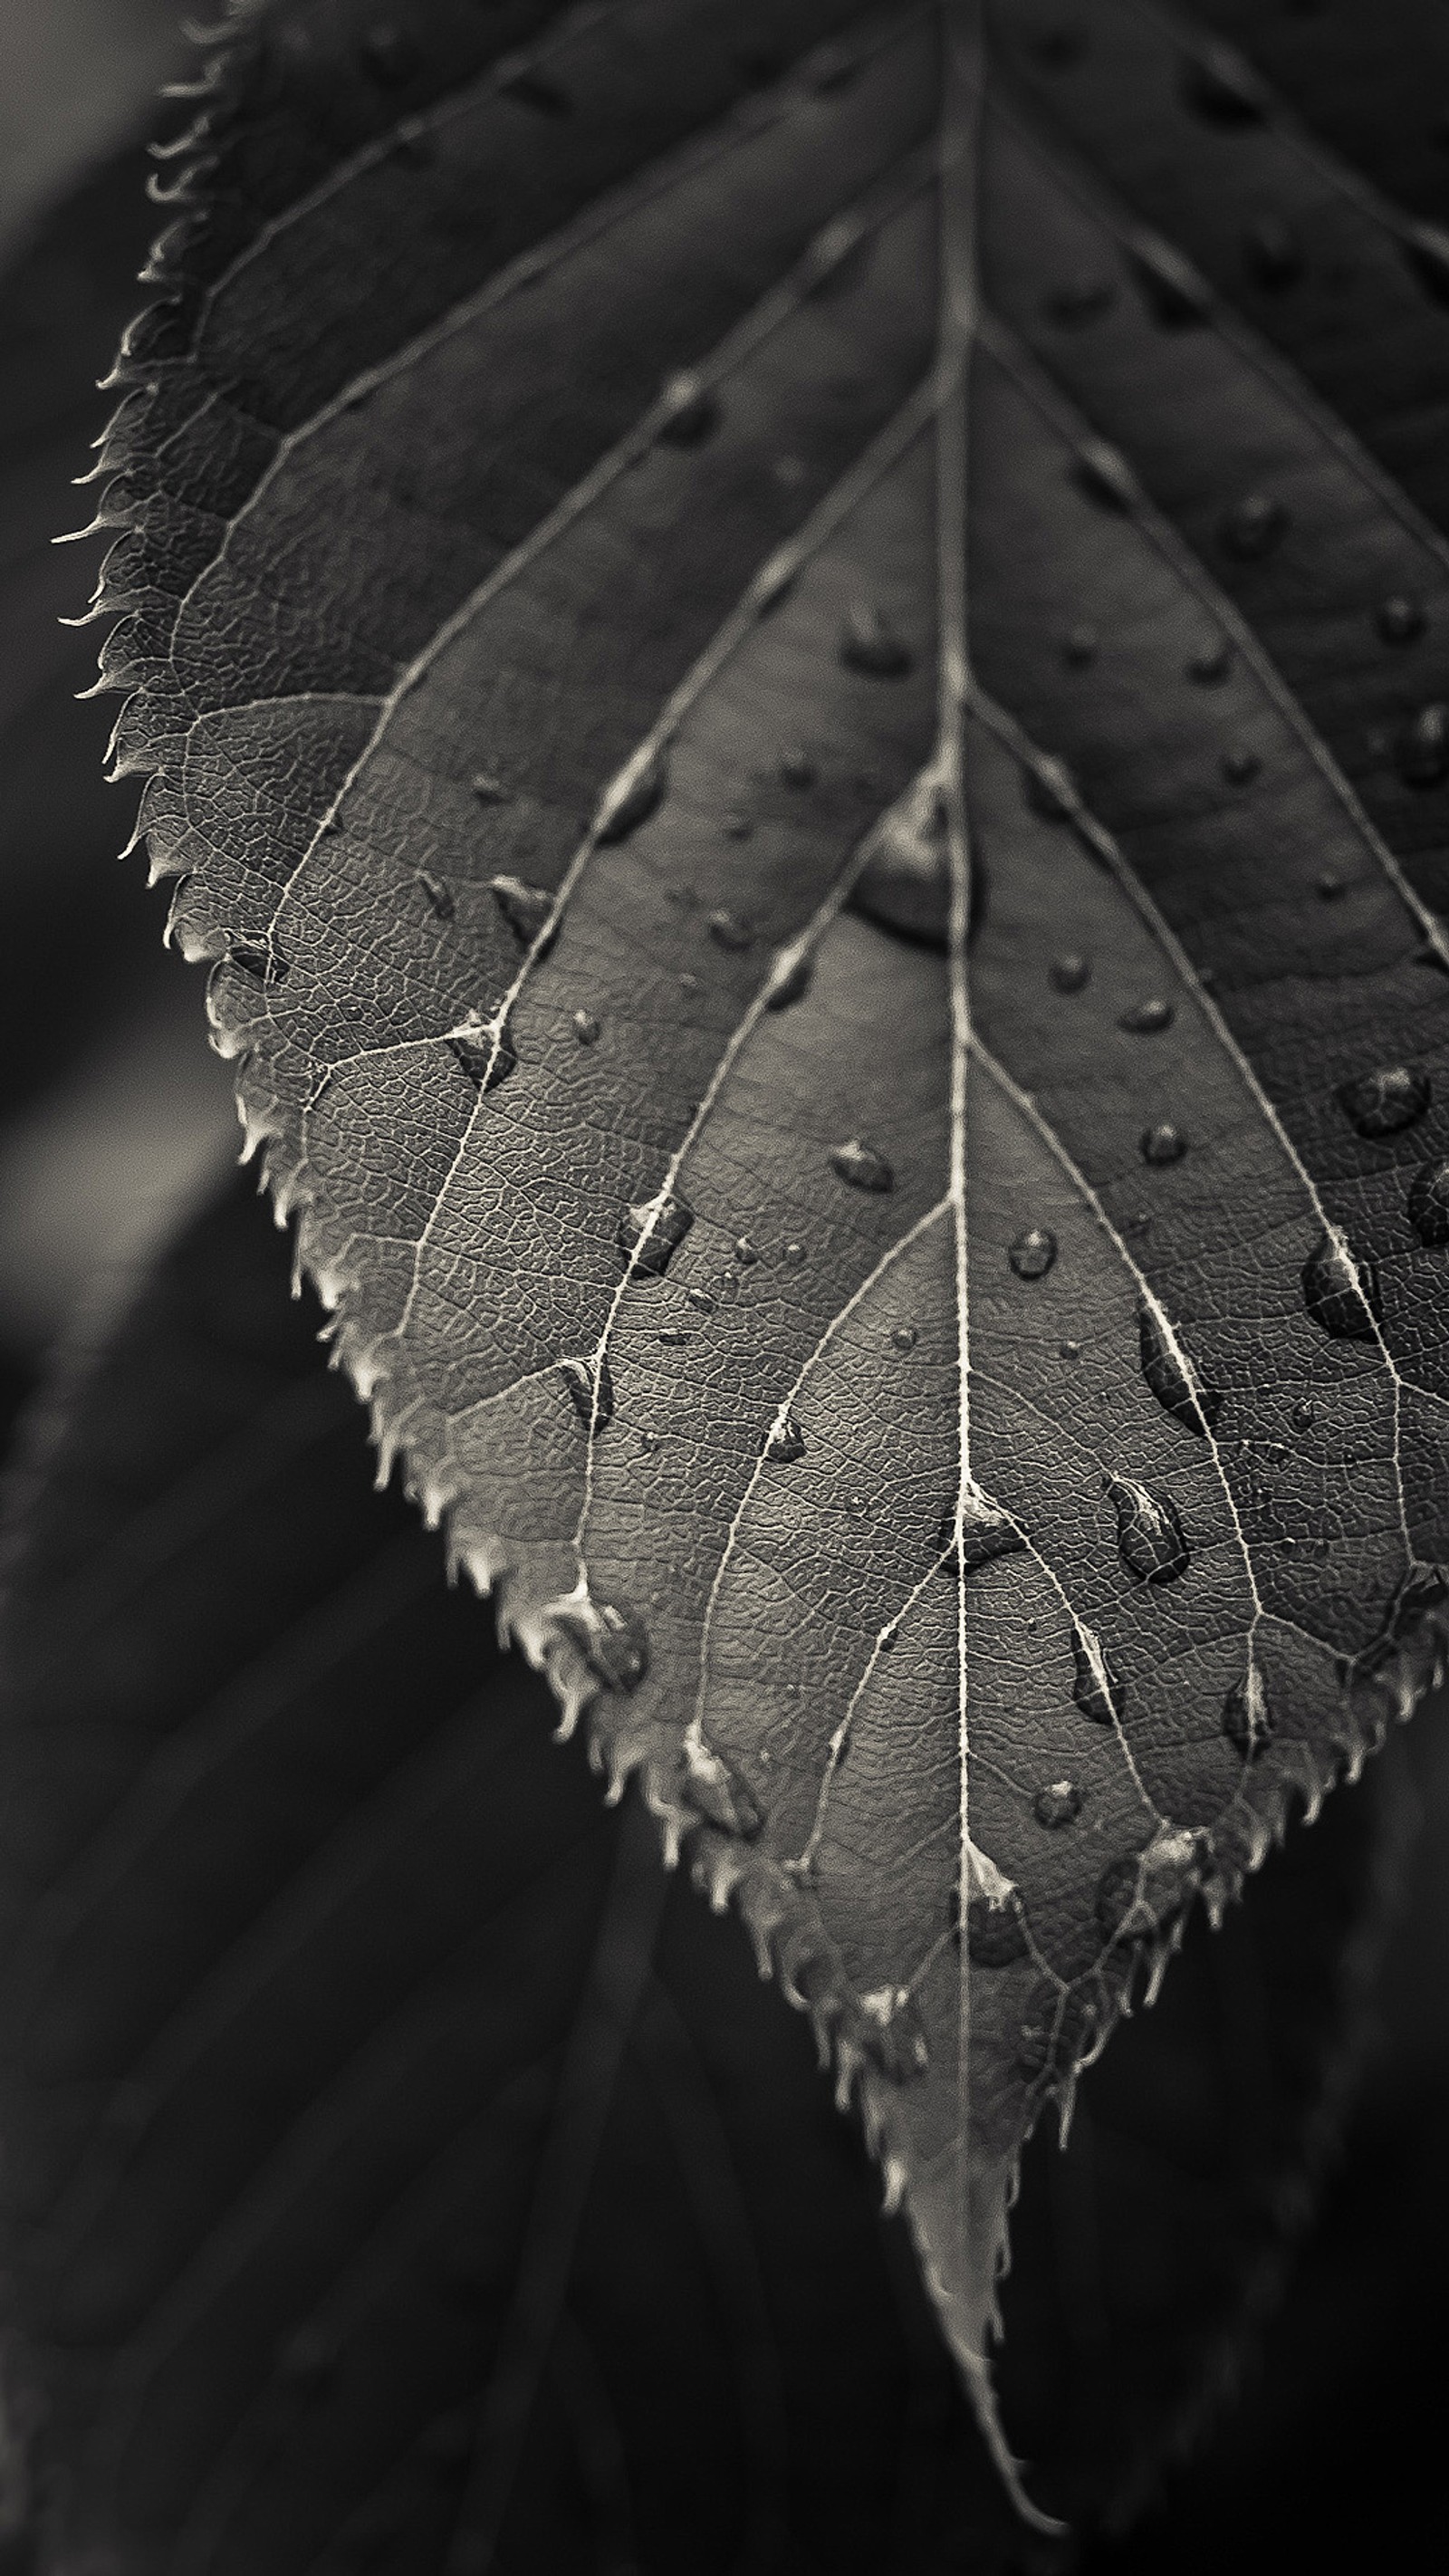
point(487, 1057)
point(591, 1389)
point(1141, 1896)
point(1329, 886)
point(1032, 1253)
point(1252, 527)
point(1050, 788)
point(1381, 1103)
point(1079, 647)
point(1341, 1291)
point(1273, 253)
point(1058, 2027)
point(1247, 1718)
point(871, 645)
point(1426, 248)
point(1171, 1376)
point(630, 799)
point(1421, 748)
point(651, 1232)
point(1139, 1225)
point(978, 1536)
point(390, 56)
point(717, 1792)
point(1211, 662)
point(860, 1166)
point(1058, 1804)
point(694, 412)
point(586, 1028)
point(1162, 1144)
point(1319, 1551)
point(784, 1442)
point(792, 1256)
point(440, 900)
point(995, 1933)
point(525, 908)
point(893, 2035)
point(610, 1637)
point(1102, 472)
point(1400, 619)
point(1068, 974)
point(798, 770)
point(1149, 1533)
point(491, 791)
point(689, 986)
point(1222, 88)
point(1079, 300)
point(263, 965)
point(732, 931)
point(738, 827)
point(904, 1337)
point(701, 1300)
point(1147, 1018)
point(1071, 1350)
point(650, 1441)
point(790, 979)
point(905, 880)
point(1302, 1415)
point(1097, 1690)
point(857, 1507)
point(533, 89)
point(1176, 294)
point(671, 1336)
point(1428, 1205)
point(887, 1641)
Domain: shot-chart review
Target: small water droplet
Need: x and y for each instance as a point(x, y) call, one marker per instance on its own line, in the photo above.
point(1096, 1689)
point(737, 827)
point(1058, 1804)
point(1147, 1018)
point(1247, 1719)
point(650, 1441)
point(1341, 1291)
point(887, 1642)
point(1252, 527)
point(857, 1507)
point(591, 1389)
point(525, 908)
point(1079, 647)
point(1102, 472)
point(1162, 1144)
point(486, 1057)
point(893, 2035)
point(689, 986)
point(263, 965)
point(671, 1336)
point(1302, 1415)
point(798, 770)
point(1069, 973)
point(440, 900)
point(610, 1637)
point(694, 412)
point(792, 1255)
point(1138, 1225)
point(860, 1166)
point(1329, 886)
point(1076, 301)
point(1050, 788)
point(1222, 88)
point(534, 89)
point(732, 931)
point(1176, 294)
point(1071, 1350)
point(629, 800)
point(995, 1934)
point(701, 1300)
point(1180, 1389)
point(1141, 1896)
point(870, 644)
point(904, 1337)
point(1426, 248)
point(651, 1231)
point(977, 1535)
point(905, 880)
point(1032, 1252)
point(1273, 253)
point(790, 979)
point(390, 56)
point(1428, 1204)
point(1383, 1102)
point(586, 1028)
point(1421, 747)
point(1150, 1541)
point(1210, 664)
point(784, 1442)
point(491, 791)
point(1400, 619)
point(717, 1792)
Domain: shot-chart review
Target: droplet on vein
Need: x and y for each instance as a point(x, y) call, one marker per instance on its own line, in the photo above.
point(905, 880)
point(1102, 472)
point(1428, 1203)
point(610, 1637)
point(1049, 788)
point(974, 1533)
point(1302, 1416)
point(860, 1166)
point(789, 978)
point(1223, 89)
point(1070, 1350)
point(1176, 293)
point(857, 1507)
point(651, 1231)
point(650, 1442)
point(870, 645)
point(995, 1931)
point(1069, 973)
point(1421, 748)
point(1247, 1718)
point(1098, 1692)
point(1141, 1896)
point(732, 931)
point(1032, 1253)
point(591, 1389)
point(716, 1791)
point(1252, 527)
point(440, 900)
point(525, 908)
point(262, 965)
point(1400, 619)
point(1058, 1804)
point(487, 1056)
point(1383, 1102)
point(1341, 1290)
point(693, 413)
point(745, 1252)
point(672, 1336)
point(1147, 1018)
point(1171, 1377)
point(1272, 253)
point(630, 799)
point(784, 1442)
point(1162, 1144)
point(1150, 1537)
point(587, 1029)
point(701, 1300)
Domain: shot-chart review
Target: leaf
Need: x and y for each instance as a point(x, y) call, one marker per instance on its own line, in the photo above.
point(397, 2162)
point(855, 1049)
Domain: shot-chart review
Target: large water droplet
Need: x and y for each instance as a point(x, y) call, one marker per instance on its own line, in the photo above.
point(870, 644)
point(1380, 1103)
point(1150, 1541)
point(1147, 1018)
point(860, 1166)
point(1179, 1387)
point(995, 1932)
point(1421, 748)
point(1032, 1253)
point(1273, 253)
point(1341, 1291)
point(784, 1442)
point(1222, 88)
point(1239, 764)
point(904, 1337)
point(1163, 1144)
point(1102, 472)
point(694, 412)
point(1400, 619)
point(790, 978)
point(1426, 248)
point(731, 930)
point(1429, 1202)
point(985, 1533)
point(1252, 527)
point(1175, 292)
point(717, 1792)
point(1097, 1690)
point(487, 1057)
point(893, 2034)
point(1247, 1718)
point(651, 1232)
point(591, 1389)
point(906, 878)
point(1058, 1804)
point(1140, 1897)
point(525, 908)
point(1302, 1415)
point(610, 1637)
point(1069, 973)
point(630, 799)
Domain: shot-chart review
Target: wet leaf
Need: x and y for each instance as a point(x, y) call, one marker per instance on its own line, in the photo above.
point(857, 1549)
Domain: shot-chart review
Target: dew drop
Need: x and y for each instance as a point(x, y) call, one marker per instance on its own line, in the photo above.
point(1140, 1897)
point(1163, 1144)
point(798, 770)
point(414, 147)
point(591, 1390)
point(1426, 248)
point(263, 965)
point(491, 791)
point(857, 1507)
point(1098, 1692)
point(390, 56)
point(745, 1252)
point(727, 1287)
point(1400, 619)
point(672, 1337)
point(1058, 1804)
point(1071, 1350)
point(1149, 1533)
point(904, 1337)
point(731, 930)
point(1176, 294)
point(1381, 1103)
point(1102, 472)
point(693, 414)
point(1239, 765)
point(1428, 1205)
point(629, 800)
point(1211, 663)
point(1171, 1377)
point(701, 1300)
point(905, 880)
point(1247, 1719)
point(610, 1637)
point(792, 1256)
point(1340, 1291)
point(1079, 300)
point(486, 1057)
point(995, 1933)
point(689, 986)
point(870, 644)
point(1050, 788)
point(893, 2035)
point(650, 1441)
point(1222, 88)
point(1302, 1415)
point(651, 1231)
point(1252, 527)
point(586, 1028)
point(1032, 1252)
point(1421, 748)
point(860, 1166)
point(784, 1442)
point(525, 908)
point(1147, 1018)
point(983, 1533)
point(738, 827)
point(717, 1792)
point(1273, 253)
point(1057, 2027)
point(1069, 973)
point(1079, 647)
point(440, 900)
point(1329, 886)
